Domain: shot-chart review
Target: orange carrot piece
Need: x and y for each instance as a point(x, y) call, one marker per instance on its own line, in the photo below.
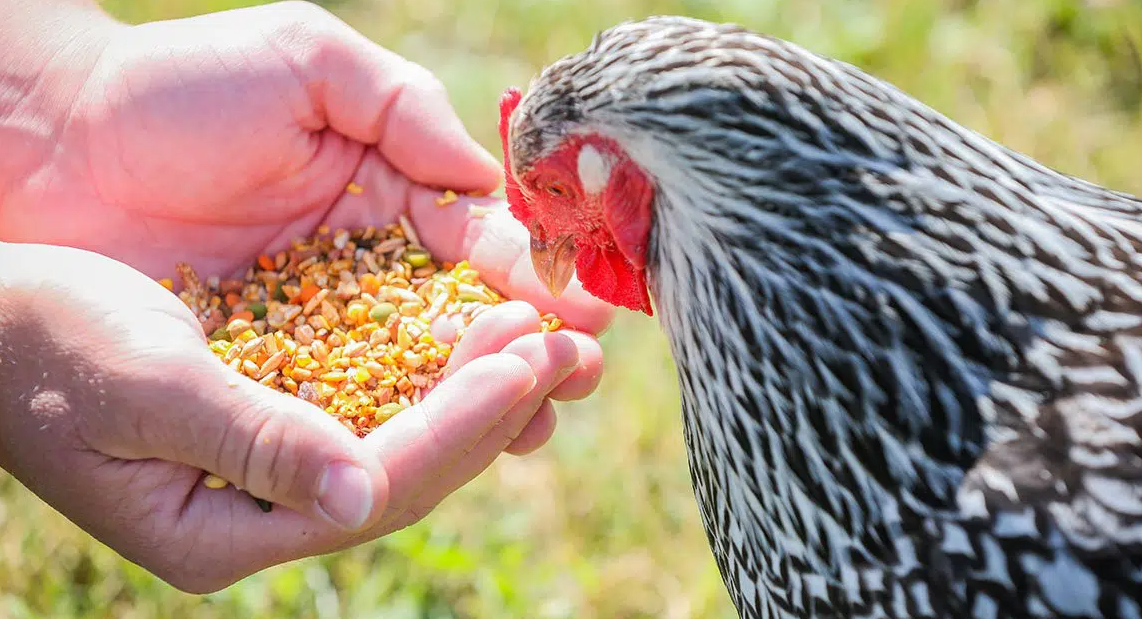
point(307, 292)
point(247, 315)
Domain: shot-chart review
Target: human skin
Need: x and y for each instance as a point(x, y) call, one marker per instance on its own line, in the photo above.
point(211, 140)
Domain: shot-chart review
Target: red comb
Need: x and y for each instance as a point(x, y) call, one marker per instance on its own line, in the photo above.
point(509, 101)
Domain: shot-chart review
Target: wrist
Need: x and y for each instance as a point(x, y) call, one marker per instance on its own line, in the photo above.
point(50, 49)
point(38, 369)
point(12, 300)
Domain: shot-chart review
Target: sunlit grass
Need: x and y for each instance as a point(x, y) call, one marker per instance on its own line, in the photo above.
point(602, 522)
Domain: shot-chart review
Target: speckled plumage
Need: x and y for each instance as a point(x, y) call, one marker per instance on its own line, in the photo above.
point(910, 359)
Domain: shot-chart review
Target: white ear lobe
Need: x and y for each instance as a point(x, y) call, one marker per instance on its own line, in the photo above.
point(594, 170)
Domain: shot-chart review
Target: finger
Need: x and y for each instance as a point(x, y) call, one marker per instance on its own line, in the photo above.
point(552, 356)
point(418, 444)
point(491, 331)
point(537, 431)
point(375, 96)
point(589, 373)
point(482, 231)
point(274, 445)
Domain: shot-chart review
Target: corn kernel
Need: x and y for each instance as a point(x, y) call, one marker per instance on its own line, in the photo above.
point(215, 482)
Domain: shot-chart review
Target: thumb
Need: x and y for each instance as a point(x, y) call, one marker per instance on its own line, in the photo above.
point(274, 445)
point(285, 450)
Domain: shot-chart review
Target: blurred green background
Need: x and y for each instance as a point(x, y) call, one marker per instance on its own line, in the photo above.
point(602, 523)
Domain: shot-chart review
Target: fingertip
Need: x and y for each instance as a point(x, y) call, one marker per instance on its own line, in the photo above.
point(588, 372)
point(553, 356)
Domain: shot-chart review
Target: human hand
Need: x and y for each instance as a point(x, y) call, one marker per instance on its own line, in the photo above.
point(111, 408)
point(209, 139)
point(228, 134)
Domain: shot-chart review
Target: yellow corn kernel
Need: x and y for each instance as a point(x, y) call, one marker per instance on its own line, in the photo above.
point(215, 482)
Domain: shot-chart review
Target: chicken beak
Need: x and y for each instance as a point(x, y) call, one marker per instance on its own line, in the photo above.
point(554, 262)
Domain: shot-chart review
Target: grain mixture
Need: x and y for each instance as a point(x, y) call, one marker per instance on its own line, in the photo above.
point(342, 319)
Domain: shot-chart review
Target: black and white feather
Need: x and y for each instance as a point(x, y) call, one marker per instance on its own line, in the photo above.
point(910, 358)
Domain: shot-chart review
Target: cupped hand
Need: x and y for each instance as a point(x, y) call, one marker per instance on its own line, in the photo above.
point(212, 140)
point(114, 409)
point(215, 138)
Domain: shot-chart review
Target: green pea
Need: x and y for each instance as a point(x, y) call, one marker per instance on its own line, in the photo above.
point(416, 258)
point(381, 312)
point(258, 309)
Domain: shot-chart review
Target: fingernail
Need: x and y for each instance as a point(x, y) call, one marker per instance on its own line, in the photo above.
point(345, 494)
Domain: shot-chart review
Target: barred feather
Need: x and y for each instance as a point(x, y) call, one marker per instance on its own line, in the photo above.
point(909, 357)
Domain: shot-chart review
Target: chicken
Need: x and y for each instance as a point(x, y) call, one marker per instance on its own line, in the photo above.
point(909, 358)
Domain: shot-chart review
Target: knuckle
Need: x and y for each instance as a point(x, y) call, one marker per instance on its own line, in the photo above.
point(271, 469)
point(308, 35)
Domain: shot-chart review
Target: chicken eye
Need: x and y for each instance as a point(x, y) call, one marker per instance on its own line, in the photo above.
point(557, 190)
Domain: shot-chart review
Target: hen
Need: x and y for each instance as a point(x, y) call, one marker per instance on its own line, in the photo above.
point(909, 357)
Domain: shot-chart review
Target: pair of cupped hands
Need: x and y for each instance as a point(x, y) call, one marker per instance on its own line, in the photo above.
point(212, 140)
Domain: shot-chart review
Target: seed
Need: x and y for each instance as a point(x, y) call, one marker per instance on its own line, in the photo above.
point(416, 258)
point(356, 349)
point(357, 313)
point(412, 360)
point(273, 363)
point(341, 320)
point(319, 351)
point(215, 482)
point(381, 312)
point(315, 301)
point(252, 347)
point(303, 334)
point(386, 411)
point(301, 374)
point(468, 292)
point(237, 326)
point(249, 367)
point(258, 309)
point(232, 353)
point(361, 375)
point(380, 337)
point(448, 198)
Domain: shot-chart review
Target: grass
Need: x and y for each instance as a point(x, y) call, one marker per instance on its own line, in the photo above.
point(601, 523)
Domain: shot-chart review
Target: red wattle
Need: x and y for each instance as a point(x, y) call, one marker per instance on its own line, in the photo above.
point(606, 274)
